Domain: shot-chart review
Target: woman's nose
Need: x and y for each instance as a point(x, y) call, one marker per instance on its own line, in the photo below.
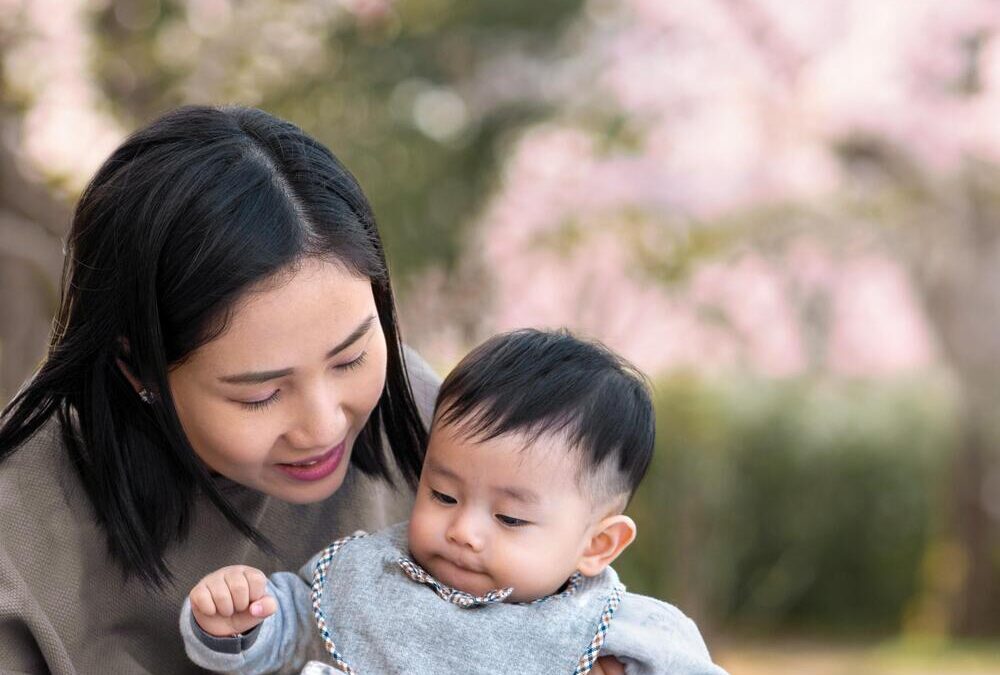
point(319, 421)
point(466, 531)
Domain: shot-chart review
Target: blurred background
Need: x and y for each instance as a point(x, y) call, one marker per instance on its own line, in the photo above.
point(786, 213)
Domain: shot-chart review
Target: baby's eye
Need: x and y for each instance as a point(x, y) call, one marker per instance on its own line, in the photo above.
point(442, 497)
point(510, 521)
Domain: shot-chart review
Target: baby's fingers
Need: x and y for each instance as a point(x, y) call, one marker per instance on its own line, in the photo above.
point(264, 607)
point(256, 582)
point(221, 596)
point(239, 589)
point(201, 600)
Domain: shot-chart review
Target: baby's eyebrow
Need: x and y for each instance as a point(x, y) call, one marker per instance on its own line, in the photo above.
point(517, 493)
point(434, 467)
point(520, 494)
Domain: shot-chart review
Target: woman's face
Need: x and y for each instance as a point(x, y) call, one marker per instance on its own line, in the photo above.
point(277, 401)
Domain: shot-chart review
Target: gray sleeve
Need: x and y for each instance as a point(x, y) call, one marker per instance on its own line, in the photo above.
point(284, 641)
point(651, 637)
point(226, 645)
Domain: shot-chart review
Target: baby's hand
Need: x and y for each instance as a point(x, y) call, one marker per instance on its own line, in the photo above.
point(231, 600)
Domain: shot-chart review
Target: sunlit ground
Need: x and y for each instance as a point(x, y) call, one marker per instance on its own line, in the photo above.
point(885, 658)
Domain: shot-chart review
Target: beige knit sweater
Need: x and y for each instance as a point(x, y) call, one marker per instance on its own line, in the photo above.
point(65, 607)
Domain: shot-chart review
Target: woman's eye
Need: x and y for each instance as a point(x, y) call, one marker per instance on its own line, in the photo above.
point(442, 497)
point(510, 521)
point(262, 403)
point(353, 365)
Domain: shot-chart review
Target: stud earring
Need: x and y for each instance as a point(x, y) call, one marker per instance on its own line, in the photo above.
point(148, 397)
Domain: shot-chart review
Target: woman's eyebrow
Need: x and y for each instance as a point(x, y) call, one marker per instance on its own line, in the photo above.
point(265, 375)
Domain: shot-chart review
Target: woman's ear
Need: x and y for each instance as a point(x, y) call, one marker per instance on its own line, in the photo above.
point(608, 539)
point(147, 396)
point(127, 372)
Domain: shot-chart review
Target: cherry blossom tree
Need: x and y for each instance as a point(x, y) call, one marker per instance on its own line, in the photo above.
point(720, 185)
point(778, 187)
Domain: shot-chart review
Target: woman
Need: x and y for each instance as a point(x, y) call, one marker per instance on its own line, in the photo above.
point(226, 347)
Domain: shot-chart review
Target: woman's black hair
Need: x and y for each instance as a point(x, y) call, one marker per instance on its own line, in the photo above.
point(177, 224)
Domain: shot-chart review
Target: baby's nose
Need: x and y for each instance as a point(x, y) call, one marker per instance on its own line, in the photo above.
point(466, 531)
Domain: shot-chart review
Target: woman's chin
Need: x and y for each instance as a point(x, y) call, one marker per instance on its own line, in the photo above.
point(297, 492)
point(302, 498)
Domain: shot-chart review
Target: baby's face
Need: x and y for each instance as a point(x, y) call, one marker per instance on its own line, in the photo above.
point(494, 514)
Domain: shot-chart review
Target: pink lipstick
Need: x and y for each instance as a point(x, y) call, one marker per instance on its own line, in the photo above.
point(315, 468)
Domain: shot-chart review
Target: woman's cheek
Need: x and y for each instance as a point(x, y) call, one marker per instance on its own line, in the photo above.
point(229, 440)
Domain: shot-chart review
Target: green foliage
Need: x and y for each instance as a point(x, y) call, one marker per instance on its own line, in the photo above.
point(804, 504)
point(352, 81)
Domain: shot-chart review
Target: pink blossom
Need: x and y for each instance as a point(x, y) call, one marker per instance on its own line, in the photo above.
point(737, 105)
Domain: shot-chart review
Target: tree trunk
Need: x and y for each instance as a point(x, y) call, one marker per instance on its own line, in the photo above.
point(976, 606)
point(958, 273)
point(32, 221)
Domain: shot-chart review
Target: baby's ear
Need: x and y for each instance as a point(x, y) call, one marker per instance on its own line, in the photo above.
point(608, 539)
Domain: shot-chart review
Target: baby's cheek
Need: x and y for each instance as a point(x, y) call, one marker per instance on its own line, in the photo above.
point(517, 566)
point(543, 565)
point(419, 531)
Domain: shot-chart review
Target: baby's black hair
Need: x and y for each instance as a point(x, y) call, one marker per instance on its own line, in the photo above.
point(545, 383)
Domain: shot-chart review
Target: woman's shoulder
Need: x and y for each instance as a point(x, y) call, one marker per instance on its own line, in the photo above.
point(41, 497)
point(38, 556)
point(38, 474)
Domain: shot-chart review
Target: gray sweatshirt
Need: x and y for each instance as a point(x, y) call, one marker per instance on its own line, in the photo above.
point(365, 607)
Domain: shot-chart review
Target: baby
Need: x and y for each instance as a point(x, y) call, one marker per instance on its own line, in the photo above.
point(539, 441)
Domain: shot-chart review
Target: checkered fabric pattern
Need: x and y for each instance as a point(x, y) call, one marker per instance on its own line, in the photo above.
point(463, 599)
point(452, 595)
point(319, 578)
point(571, 585)
point(589, 657)
point(457, 597)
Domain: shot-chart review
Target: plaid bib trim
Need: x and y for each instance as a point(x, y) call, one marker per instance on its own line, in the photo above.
point(452, 595)
point(417, 573)
point(457, 597)
point(319, 579)
point(593, 651)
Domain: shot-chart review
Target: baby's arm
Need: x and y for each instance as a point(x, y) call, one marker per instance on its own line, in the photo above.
point(226, 644)
point(650, 637)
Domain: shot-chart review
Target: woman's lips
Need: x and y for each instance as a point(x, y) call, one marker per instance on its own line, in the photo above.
point(315, 468)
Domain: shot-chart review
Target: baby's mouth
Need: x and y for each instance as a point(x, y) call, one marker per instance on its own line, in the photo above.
point(471, 569)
